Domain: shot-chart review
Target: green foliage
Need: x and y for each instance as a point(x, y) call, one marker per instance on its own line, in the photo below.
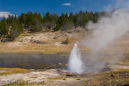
point(49, 21)
point(66, 26)
point(22, 18)
point(12, 26)
point(3, 28)
point(57, 27)
point(66, 41)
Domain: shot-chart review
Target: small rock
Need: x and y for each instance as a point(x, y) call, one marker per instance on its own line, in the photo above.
point(66, 64)
point(30, 82)
point(112, 75)
point(40, 82)
point(32, 70)
point(60, 63)
point(21, 40)
point(78, 79)
point(54, 37)
point(64, 79)
point(13, 81)
point(117, 80)
point(2, 71)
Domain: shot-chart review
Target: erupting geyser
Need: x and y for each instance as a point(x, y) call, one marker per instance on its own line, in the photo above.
point(75, 62)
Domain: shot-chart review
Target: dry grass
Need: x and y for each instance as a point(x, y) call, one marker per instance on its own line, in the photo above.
point(59, 77)
point(118, 70)
point(24, 84)
point(121, 77)
point(20, 85)
point(38, 48)
point(46, 49)
point(52, 43)
point(5, 71)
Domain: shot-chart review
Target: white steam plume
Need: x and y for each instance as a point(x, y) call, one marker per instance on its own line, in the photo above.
point(108, 29)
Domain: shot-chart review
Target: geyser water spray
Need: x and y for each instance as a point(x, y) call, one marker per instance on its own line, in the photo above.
point(75, 62)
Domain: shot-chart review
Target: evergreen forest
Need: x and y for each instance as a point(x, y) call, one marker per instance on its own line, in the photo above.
point(13, 25)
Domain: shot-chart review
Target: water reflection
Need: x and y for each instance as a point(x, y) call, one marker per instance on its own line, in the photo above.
point(33, 61)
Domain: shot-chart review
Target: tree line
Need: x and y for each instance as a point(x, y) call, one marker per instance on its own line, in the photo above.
point(12, 26)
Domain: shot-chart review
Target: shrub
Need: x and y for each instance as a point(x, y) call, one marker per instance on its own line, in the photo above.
point(66, 41)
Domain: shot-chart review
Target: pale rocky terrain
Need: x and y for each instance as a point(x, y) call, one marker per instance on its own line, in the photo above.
point(32, 77)
point(43, 78)
point(51, 77)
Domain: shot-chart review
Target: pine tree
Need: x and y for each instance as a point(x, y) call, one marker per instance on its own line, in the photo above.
point(3, 27)
point(22, 18)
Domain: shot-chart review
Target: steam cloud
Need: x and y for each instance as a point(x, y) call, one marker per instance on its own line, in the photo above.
point(108, 29)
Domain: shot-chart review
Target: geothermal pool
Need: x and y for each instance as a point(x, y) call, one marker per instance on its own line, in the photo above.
point(33, 61)
point(47, 61)
point(74, 62)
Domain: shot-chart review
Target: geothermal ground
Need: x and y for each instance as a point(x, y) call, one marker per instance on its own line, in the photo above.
point(114, 73)
point(50, 77)
point(118, 76)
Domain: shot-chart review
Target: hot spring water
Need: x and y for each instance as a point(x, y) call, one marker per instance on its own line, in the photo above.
point(75, 62)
